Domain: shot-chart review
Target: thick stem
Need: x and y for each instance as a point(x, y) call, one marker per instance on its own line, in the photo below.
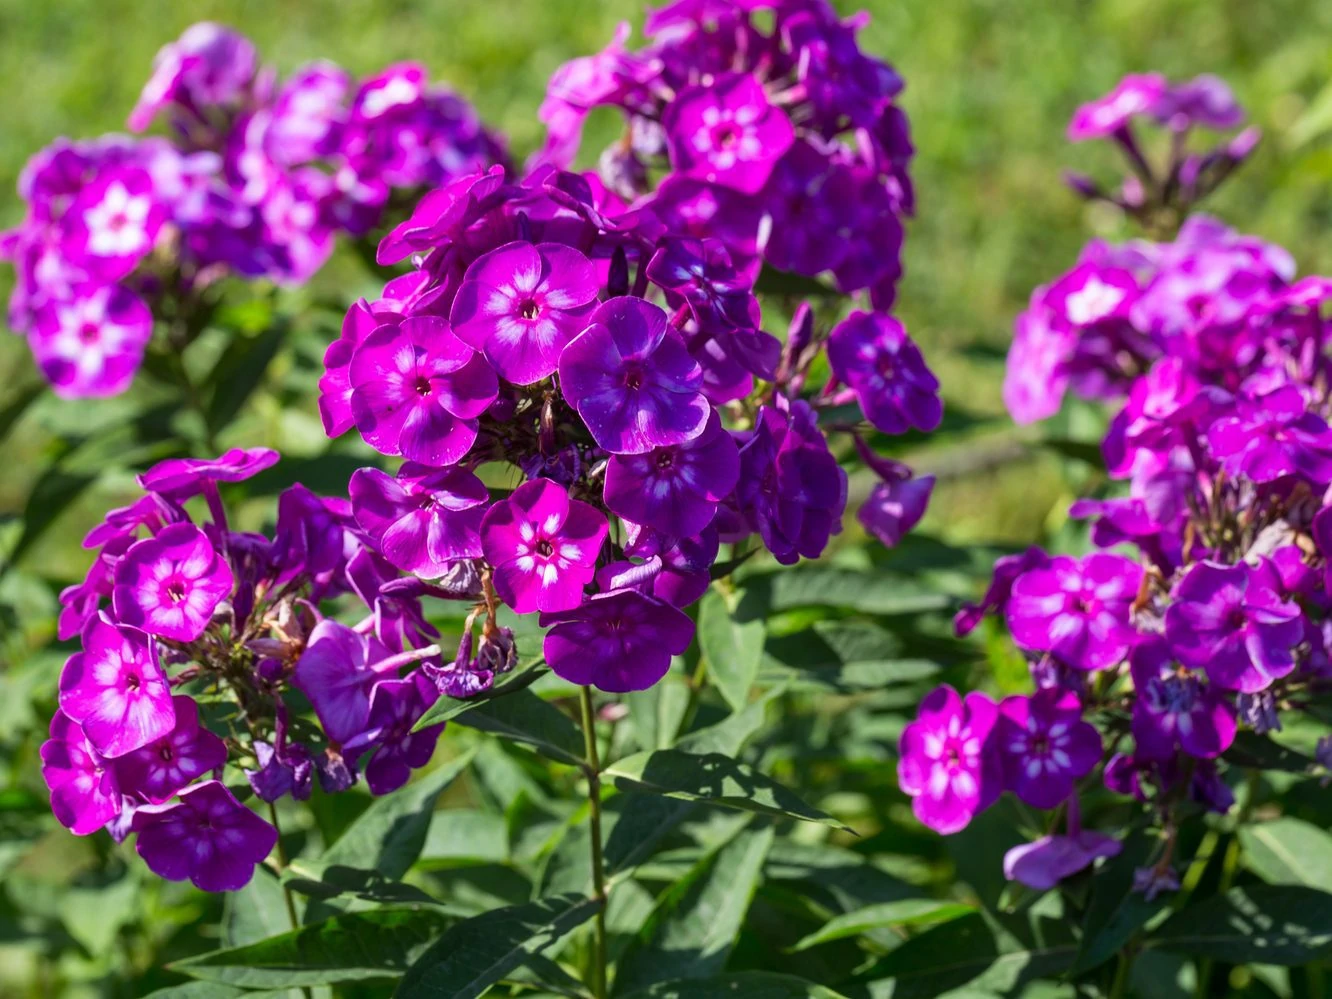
point(593, 773)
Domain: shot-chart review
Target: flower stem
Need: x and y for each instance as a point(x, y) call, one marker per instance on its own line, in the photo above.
point(282, 866)
point(1119, 988)
point(593, 773)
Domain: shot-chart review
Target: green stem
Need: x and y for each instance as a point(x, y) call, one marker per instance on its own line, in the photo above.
point(1230, 865)
point(593, 773)
point(1119, 988)
point(286, 892)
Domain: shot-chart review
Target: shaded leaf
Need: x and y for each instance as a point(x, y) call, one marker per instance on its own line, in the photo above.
point(732, 648)
point(1288, 851)
point(256, 912)
point(446, 707)
point(659, 711)
point(1115, 911)
point(325, 882)
point(774, 282)
point(738, 985)
point(53, 492)
point(730, 735)
point(240, 370)
point(1260, 924)
point(881, 593)
point(526, 719)
point(907, 912)
point(1262, 753)
point(478, 952)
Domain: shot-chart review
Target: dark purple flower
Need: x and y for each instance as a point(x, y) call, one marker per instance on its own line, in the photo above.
point(522, 303)
point(726, 132)
point(1132, 96)
point(686, 563)
point(1230, 622)
point(170, 584)
point(1077, 610)
point(1174, 709)
point(1273, 436)
point(180, 478)
point(158, 769)
point(423, 519)
point(1205, 100)
point(1043, 863)
point(206, 837)
point(283, 769)
point(417, 391)
point(1044, 746)
point(943, 763)
point(698, 272)
point(675, 489)
point(310, 538)
point(395, 706)
point(337, 672)
point(632, 380)
point(871, 353)
point(91, 345)
point(116, 690)
point(617, 642)
point(543, 547)
point(84, 795)
point(895, 506)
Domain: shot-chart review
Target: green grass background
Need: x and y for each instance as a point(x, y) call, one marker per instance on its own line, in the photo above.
point(990, 85)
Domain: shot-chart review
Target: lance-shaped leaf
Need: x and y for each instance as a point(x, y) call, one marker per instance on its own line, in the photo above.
point(1259, 924)
point(351, 946)
point(732, 647)
point(256, 912)
point(712, 777)
point(913, 912)
point(731, 734)
point(693, 928)
point(522, 677)
point(738, 985)
point(336, 881)
point(388, 836)
point(1115, 911)
point(529, 721)
point(1288, 851)
point(478, 952)
point(880, 593)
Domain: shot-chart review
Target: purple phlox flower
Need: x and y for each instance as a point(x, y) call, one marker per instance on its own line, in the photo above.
point(1006, 570)
point(92, 344)
point(311, 538)
point(180, 478)
point(632, 380)
point(158, 769)
point(522, 303)
point(1044, 746)
point(123, 522)
point(1259, 711)
point(1323, 757)
point(307, 114)
point(790, 484)
point(205, 836)
point(872, 353)
point(209, 65)
point(702, 210)
point(81, 602)
point(113, 223)
point(1273, 436)
point(417, 391)
point(115, 688)
point(1077, 610)
point(1130, 521)
point(698, 273)
point(1322, 536)
point(1208, 789)
point(1037, 372)
point(1173, 708)
point(942, 762)
point(395, 706)
point(1229, 621)
point(84, 795)
point(812, 201)
point(1043, 863)
point(675, 489)
point(617, 642)
point(1151, 881)
point(281, 772)
point(440, 215)
point(336, 773)
point(543, 547)
point(170, 584)
point(423, 519)
point(1134, 95)
point(1091, 293)
point(337, 671)
point(897, 502)
point(1205, 100)
point(573, 90)
point(685, 563)
point(727, 132)
point(466, 675)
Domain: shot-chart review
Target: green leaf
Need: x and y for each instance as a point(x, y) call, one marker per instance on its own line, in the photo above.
point(54, 491)
point(731, 735)
point(1262, 753)
point(880, 592)
point(445, 708)
point(478, 952)
point(467, 834)
point(640, 823)
point(240, 370)
point(658, 712)
point(351, 946)
point(1115, 911)
point(846, 656)
point(1288, 851)
point(526, 719)
point(16, 407)
point(388, 836)
point(774, 282)
point(1259, 924)
point(738, 985)
point(204, 990)
point(732, 648)
point(693, 928)
point(256, 912)
point(908, 912)
point(714, 778)
point(1087, 452)
point(325, 882)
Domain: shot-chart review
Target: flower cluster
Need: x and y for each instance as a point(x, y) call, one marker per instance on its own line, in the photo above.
point(1204, 607)
point(619, 367)
point(173, 609)
point(779, 136)
point(257, 179)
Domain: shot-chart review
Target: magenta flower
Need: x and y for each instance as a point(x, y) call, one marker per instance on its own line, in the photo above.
point(1077, 610)
point(1273, 436)
point(335, 387)
point(422, 520)
point(92, 345)
point(675, 489)
point(1044, 746)
point(180, 478)
point(871, 353)
point(1205, 100)
point(417, 391)
point(170, 585)
point(1092, 293)
point(337, 672)
point(113, 223)
point(1043, 863)
point(632, 380)
point(116, 690)
point(1132, 96)
point(1232, 623)
point(944, 764)
point(726, 132)
point(617, 642)
point(698, 272)
point(395, 706)
point(543, 547)
point(158, 769)
point(521, 303)
point(84, 793)
point(208, 65)
point(1174, 709)
point(206, 837)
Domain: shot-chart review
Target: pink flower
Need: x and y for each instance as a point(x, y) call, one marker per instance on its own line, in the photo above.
point(92, 344)
point(727, 132)
point(1132, 96)
point(84, 795)
point(170, 585)
point(422, 520)
point(158, 769)
point(113, 223)
point(944, 763)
